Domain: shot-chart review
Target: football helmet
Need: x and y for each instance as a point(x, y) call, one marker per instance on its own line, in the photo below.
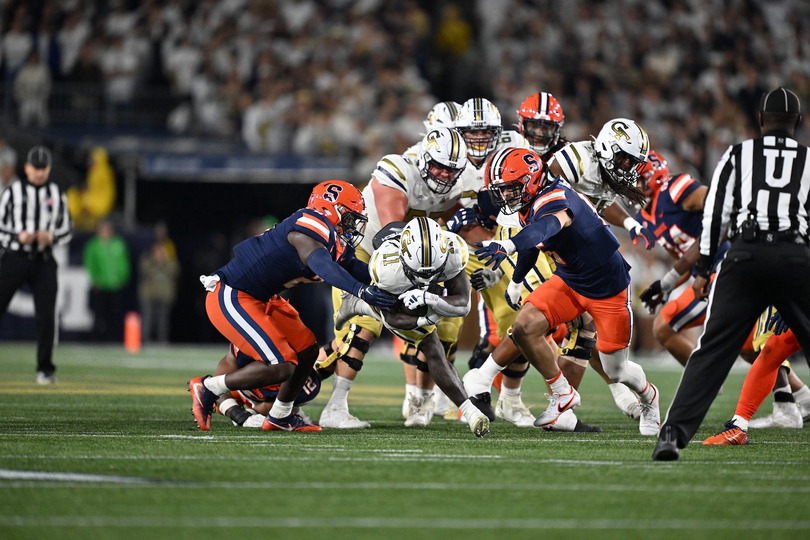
point(514, 176)
point(654, 173)
point(622, 146)
point(344, 207)
point(479, 122)
point(423, 251)
point(442, 157)
point(540, 119)
point(443, 114)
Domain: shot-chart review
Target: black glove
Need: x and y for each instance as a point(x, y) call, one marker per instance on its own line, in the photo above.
point(777, 324)
point(654, 296)
point(484, 278)
point(374, 296)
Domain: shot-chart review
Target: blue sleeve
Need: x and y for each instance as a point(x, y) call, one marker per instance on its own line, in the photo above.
point(536, 233)
point(525, 262)
point(358, 269)
point(321, 262)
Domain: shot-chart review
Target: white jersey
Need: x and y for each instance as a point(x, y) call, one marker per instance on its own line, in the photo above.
point(401, 173)
point(580, 167)
point(472, 177)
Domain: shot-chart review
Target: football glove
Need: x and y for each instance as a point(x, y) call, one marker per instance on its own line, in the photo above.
point(484, 278)
point(513, 293)
point(777, 324)
point(654, 296)
point(465, 216)
point(374, 296)
point(494, 252)
point(644, 234)
point(416, 298)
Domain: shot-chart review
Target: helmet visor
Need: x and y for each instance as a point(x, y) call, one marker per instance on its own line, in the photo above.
point(352, 227)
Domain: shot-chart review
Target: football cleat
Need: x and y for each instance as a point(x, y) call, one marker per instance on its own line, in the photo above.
point(731, 436)
point(336, 417)
point(484, 404)
point(568, 421)
point(558, 404)
point(512, 409)
point(650, 422)
point(46, 378)
point(475, 383)
point(202, 402)
point(420, 411)
point(479, 425)
point(292, 422)
point(255, 421)
point(784, 415)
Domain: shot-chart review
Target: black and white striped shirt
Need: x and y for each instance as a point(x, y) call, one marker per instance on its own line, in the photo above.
point(767, 177)
point(26, 207)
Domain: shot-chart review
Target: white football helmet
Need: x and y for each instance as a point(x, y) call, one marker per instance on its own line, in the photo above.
point(443, 114)
point(622, 146)
point(442, 157)
point(423, 251)
point(479, 121)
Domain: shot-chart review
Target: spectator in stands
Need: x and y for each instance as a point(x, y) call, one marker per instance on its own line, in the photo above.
point(32, 88)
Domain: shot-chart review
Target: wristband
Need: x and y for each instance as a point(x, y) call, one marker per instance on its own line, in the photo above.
point(669, 280)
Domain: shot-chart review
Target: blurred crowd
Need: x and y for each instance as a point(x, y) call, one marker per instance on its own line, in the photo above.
point(354, 78)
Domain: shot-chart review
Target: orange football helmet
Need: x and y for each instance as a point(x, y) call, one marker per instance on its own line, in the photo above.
point(344, 207)
point(540, 119)
point(654, 173)
point(514, 176)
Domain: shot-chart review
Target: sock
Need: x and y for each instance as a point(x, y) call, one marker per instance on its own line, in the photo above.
point(783, 395)
point(802, 395)
point(469, 410)
point(281, 409)
point(559, 384)
point(648, 394)
point(489, 369)
point(226, 405)
point(740, 422)
point(411, 389)
point(425, 393)
point(340, 391)
point(216, 384)
point(510, 392)
point(759, 380)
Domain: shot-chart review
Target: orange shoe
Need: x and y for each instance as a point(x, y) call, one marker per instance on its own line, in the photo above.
point(288, 423)
point(731, 436)
point(202, 402)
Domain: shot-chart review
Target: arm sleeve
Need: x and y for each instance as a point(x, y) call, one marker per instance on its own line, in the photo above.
point(525, 262)
point(536, 233)
point(320, 262)
point(358, 269)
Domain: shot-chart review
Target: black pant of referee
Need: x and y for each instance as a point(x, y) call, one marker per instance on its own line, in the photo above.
point(38, 270)
point(753, 275)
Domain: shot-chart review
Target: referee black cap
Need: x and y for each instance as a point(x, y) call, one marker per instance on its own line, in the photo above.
point(39, 157)
point(781, 100)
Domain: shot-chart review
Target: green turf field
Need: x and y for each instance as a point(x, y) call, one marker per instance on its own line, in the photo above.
point(112, 451)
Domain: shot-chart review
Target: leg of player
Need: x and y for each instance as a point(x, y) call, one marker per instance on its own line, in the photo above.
point(620, 369)
point(676, 343)
point(420, 402)
point(281, 415)
point(447, 379)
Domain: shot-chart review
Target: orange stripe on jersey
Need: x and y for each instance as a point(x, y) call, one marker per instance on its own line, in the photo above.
point(315, 226)
point(677, 188)
point(556, 195)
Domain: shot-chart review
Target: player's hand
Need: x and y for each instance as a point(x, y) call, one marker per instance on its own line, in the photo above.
point(654, 296)
point(465, 216)
point(494, 252)
point(643, 234)
point(374, 296)
point(701, 287)
point(513, 293)
point(484, 278)
point(417, 297)
point(777, 324)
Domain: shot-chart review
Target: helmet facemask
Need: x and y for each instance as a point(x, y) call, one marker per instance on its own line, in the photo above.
point(423, 251)
point(352, 226)
point(509, 196)
point(481, 142)
point(541, 134)
point(440, 178)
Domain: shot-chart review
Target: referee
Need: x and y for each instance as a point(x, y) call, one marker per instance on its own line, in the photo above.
point(759, 197)
point(34, 218)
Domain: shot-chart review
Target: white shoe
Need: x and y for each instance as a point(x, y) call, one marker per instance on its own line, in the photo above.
point(302, 415)
point(337, 417)
point(649, 423)
point(625, 400)
point(512, 409)
point(420, 411)
point(785, 415)
point(475, 383)
point(406, 406)
point(479, 425)
point(804, 408)
point(255, 421)
point(558, 404)
point(46, 378)
point(569, 422)
point(442, 406)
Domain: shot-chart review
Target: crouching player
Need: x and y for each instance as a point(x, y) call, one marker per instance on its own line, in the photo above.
point(424, 267)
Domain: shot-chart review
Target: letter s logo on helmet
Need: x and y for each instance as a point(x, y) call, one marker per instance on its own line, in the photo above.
point(332, 192)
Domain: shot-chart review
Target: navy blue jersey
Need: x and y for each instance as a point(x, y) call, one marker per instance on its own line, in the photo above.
point(674, 228)
point(266, 264)
point(587, 251)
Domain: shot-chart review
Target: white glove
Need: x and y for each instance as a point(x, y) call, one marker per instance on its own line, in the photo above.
point(209, 282)
point(416, 298)
point(513, 293)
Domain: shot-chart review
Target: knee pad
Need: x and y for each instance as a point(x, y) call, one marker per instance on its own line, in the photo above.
point(413, 360)
point(580, 342)
point(350, 341)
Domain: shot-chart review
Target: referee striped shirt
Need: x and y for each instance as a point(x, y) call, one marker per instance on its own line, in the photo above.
point(767, 177)
point(26, 207)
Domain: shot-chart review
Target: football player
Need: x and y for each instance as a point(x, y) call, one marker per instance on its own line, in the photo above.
point(243, 303)
point(590, 275)
point(424, 267)
point(401, 187)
